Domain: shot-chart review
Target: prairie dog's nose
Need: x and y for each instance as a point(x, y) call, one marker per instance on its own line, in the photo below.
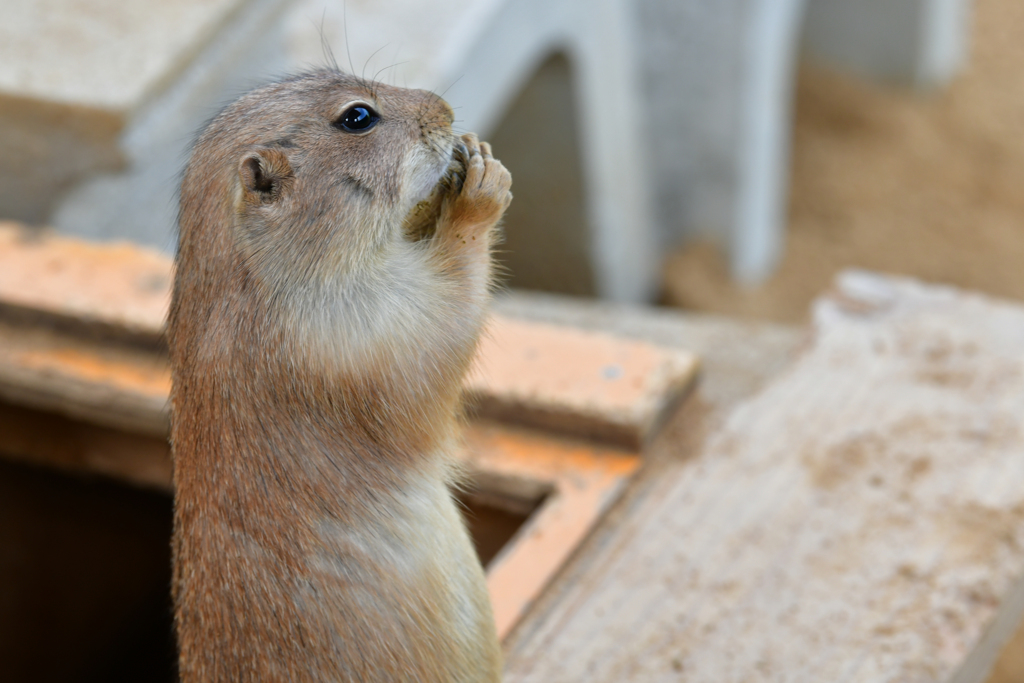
point(449, 114)
point(441, 110)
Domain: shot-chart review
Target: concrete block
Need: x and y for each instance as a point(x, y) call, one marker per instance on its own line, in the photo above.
point(99, 101)
point(860, 518)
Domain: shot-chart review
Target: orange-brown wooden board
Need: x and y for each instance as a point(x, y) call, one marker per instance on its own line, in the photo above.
point(582, 481)
point(554, 377)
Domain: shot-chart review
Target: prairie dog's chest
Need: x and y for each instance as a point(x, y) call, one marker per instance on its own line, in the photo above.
point(391, 314)
point(413, 532)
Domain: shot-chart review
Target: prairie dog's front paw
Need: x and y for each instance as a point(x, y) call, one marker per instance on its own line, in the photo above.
point(485, 193)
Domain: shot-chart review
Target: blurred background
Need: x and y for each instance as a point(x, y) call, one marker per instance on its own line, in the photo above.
point(726, 157)
point(719, 156)
point(926, 183)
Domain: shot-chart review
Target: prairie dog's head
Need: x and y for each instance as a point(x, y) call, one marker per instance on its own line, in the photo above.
point(313, 175)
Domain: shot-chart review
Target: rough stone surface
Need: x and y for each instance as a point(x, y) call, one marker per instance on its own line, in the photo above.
point(100, 54)
point(72, 75)
point(861, 518)
point(100, 101)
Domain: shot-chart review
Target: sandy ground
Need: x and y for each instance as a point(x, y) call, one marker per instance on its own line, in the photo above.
point(928, 185)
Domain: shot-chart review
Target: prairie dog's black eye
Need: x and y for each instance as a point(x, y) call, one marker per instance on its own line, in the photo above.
point(358, 118)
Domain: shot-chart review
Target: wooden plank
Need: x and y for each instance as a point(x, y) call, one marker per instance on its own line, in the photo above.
point(48, 440)
point(120, 287)
point(736, 356)
point(581, 382)
point(581, 482)
point(554, 377)
point(859, 519)
point(107, 384)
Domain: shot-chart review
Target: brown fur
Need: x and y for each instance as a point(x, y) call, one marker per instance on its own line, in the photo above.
point(317, 354)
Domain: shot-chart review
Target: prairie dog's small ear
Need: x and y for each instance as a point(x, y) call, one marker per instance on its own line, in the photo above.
point(264, 174)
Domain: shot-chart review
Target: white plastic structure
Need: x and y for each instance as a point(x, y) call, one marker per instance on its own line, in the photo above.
point(719, 84)
point(480, 54)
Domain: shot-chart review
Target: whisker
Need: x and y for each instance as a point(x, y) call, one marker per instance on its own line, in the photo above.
point(374, 54)
point(325, 45)
point(389, 67)
point(445, 92)
point(395, 58)
point(348, 47)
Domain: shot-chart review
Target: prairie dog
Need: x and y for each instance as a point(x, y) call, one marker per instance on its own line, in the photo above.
point(317, 351)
